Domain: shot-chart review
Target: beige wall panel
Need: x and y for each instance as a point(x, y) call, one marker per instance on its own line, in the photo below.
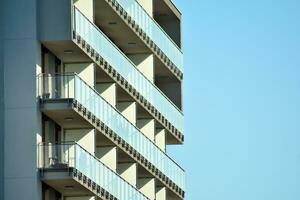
point(147, 187)
point(145, 64)
point(161, 193)
point(147, 127)
point(86, 7)
point(84, 137)
point(108, 92)
point(86, 71)
point(128, 171)
point(160, 139)
point(147, 5)
point(108, 156)
point(128, 110)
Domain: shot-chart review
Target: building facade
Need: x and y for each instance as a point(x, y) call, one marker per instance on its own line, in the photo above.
point(90, 96)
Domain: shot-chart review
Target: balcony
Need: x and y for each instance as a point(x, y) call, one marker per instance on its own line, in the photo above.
point(93, 108)
point(72, 170)
point(148, 30)
point(95, 43)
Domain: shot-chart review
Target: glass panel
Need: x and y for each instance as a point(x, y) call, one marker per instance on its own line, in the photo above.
point(109, 180)
point(153, 30)
point(102, 45)
point(58, 156)
point(55, 156)
point(93, 102)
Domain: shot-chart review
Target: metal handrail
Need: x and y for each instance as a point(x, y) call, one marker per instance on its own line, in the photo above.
point(160, 26)
point(167, 98)
point(97, 159)
point(75, 74)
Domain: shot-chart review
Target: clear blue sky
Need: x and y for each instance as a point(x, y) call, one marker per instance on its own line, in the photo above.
point(242, 99)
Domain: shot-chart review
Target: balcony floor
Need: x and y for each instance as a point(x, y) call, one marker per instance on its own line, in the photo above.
point(63, 182)
point(62, 113)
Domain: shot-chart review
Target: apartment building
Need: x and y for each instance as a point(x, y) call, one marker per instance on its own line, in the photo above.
point(90, 96)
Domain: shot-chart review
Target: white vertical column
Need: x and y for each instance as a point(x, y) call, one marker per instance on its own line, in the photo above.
point(160, 139)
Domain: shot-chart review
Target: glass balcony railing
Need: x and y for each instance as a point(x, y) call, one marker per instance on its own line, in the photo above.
point(153, 30)
point(71, 86)
point(104, 47)
point(66, 155)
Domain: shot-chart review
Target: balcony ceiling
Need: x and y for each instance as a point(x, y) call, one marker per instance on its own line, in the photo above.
point(116, 29)
point(63, 183)
point(166, 8)
point(63, 115)
point(67, 51)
